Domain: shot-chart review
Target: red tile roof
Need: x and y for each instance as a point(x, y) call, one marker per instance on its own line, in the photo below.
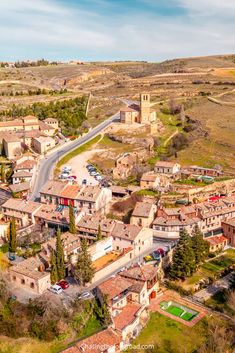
point(127, 316)
point(114, 286)
point(97, 343)
point(218, 239)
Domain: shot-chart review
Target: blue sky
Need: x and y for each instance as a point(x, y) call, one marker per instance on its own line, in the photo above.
point(152, 30)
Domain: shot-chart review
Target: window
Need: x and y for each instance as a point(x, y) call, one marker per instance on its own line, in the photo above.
point(31, 285)
point(22, 281)
point(14, 278)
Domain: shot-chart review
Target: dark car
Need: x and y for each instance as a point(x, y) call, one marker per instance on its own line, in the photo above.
point(63, 284)
point(12, 257)
point(84, 182)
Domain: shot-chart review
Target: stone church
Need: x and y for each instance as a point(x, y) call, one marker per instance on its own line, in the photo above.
point(139, 113)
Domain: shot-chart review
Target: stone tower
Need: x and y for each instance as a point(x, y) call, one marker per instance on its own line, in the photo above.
point(144, 108)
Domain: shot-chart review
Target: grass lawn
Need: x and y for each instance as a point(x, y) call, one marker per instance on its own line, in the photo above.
point(177, 311)
point(210, 268)
point(77, 151)
point(170, 336)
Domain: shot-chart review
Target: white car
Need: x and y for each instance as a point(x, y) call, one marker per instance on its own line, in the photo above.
point(55, 289)
point(64, 176)
point(85, 295)
point(98, 177)
point(67, 168)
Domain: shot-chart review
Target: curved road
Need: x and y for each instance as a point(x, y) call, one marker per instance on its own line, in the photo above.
point(46, 165)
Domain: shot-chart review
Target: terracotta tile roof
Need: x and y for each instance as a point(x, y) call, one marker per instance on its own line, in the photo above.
point(43, 139)
point(165, 164)
point(49, 213)
point(131, 108)
point(91, 224)
point(70, 242)
point(161, 221)
point(126, 231)
point(230, 222)
point(217, 239)
point(118, 189)
point(53, 188)
point(11, 137)
point(28, 164)
point(20, 187)
point(32, 267)
point(114, 286)
point(151, 177)
point(22, 206)
point(15, 122)
point(90, 193)
point(44, 126)
point(97, 343)
point(127, 316)
point(22, 174)
point(70, 191)
point(140, 273)
point(142, 209)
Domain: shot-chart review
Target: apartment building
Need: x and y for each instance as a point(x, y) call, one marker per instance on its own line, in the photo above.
point(143, 214)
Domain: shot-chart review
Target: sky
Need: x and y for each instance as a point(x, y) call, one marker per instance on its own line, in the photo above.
point(102, 30)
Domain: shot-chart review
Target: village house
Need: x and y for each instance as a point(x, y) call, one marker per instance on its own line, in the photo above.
point(55, 216)
point(168, 168)
point(132, 236)
point(106, 341)
point(31, 274)
point(208, 216)
point(89, 199)
point(90, 225)
point(52, 122)
point(26, 165)
point(149, 180)
point(228, 228)
point(205, 171)
point(22, 210)
point(127, 313)
point(141, 114)
point(22, 176)
point(71, 245)
point(124, 165)
point(20, 190)
point(141, 275)
point(217, 242)
point(170, 221)
point(43, 144)
point(11, 146)
point(143, 214)
point(26, 123)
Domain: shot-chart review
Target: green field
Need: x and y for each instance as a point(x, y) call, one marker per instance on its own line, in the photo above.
point(178, 311)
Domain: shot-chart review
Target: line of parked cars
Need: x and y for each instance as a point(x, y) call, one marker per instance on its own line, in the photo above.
point(93, 172)
point(66, 174)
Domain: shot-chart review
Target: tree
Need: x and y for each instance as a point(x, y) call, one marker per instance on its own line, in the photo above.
point(199, 245)
point(183, 261)
point(84, 271)
point(59, 256)
point(72, 226)
point(54, 273)
point(99, 233)
point(3, 173)
point(12, 236)
point(182, 115)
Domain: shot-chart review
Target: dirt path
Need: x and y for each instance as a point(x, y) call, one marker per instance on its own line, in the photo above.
point(170, 137)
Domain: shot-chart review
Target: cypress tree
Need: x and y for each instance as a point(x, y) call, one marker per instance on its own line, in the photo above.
point(199, 245)
point(99, 233)
point(84, 271)
point(3, 173)
point(54, 273)
point(72, 226)
point(183, 261)
point(59, 256)
point(12, 236)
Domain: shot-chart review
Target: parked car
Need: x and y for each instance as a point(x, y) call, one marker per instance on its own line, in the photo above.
point(63, 284)
point(64, 176)
point(84, 182)
point(85, 295)
point(11, 257)
point(98, 177)
point(70, 177)
point(148, 258)
point(55, 289)
point(68, 168)
point(94, 173)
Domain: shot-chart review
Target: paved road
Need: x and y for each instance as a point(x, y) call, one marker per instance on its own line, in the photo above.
point(47, 164)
